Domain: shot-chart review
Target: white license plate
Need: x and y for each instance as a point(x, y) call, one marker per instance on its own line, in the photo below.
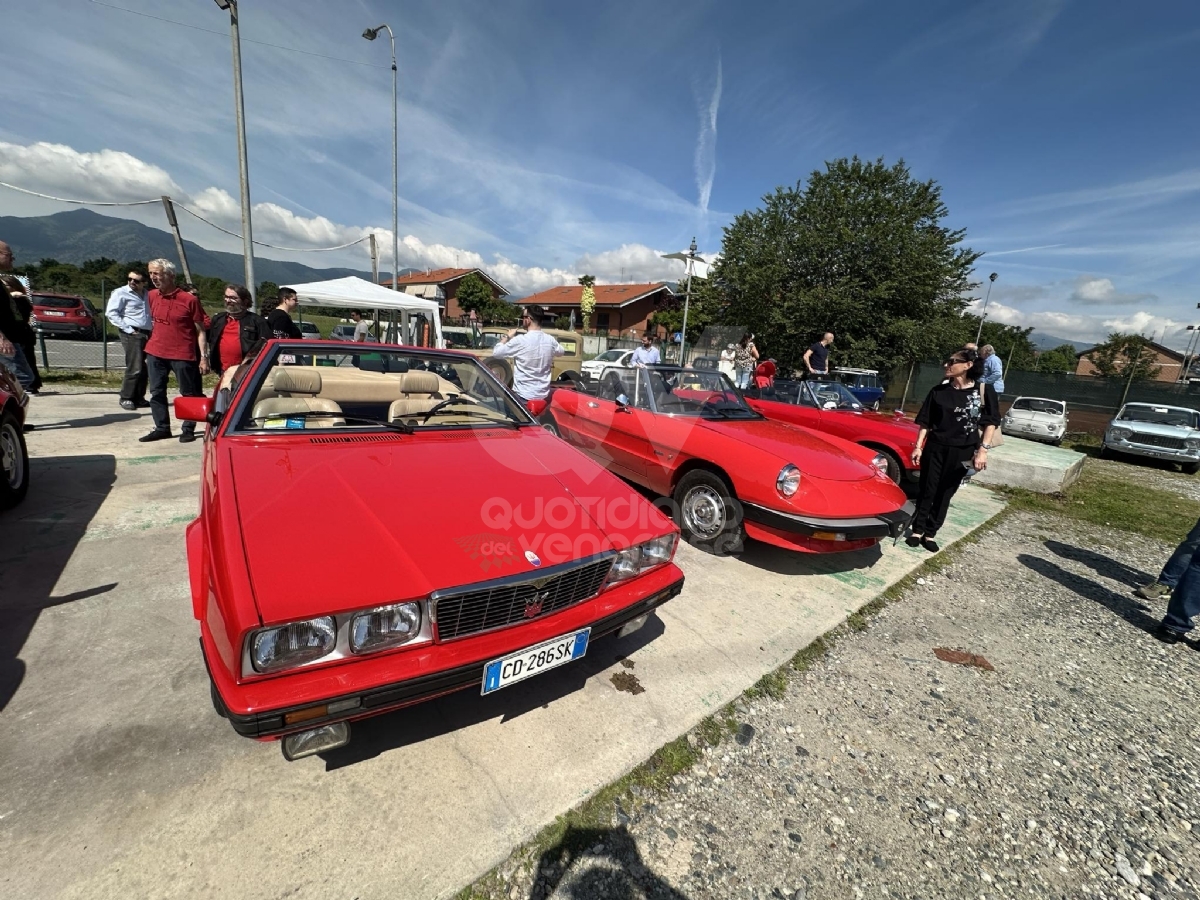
point(51, 312)
point(500, 673)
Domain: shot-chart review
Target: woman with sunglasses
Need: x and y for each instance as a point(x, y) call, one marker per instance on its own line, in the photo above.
point(953, 418)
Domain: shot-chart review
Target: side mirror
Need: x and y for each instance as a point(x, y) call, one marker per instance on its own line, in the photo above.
point(192, 409)
point(830, 404)
point(622, 401)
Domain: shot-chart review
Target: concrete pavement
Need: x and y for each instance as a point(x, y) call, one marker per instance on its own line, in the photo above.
point(117, 778)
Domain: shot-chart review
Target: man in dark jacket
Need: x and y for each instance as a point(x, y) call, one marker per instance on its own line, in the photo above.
point(280, 318)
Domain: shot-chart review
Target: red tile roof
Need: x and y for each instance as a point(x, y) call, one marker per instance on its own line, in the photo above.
point(606, 294)
point(440, 276)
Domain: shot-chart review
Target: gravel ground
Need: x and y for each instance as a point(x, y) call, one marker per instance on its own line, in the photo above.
point(1068, 770)
point(1151, 473)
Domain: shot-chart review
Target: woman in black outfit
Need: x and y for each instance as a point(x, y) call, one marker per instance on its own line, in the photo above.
point(951, 418)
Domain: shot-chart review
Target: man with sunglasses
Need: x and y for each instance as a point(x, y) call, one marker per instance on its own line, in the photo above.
point(129, 311)
point(532, 354)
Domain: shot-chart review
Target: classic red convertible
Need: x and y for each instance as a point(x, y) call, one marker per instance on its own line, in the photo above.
point(729, 472)
point(14, 457)
point(473, 549)
point(831, 408)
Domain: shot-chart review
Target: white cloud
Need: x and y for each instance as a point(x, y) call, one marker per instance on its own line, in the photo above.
point(1093, 291)
point(706, 145)
point(104, 176)
point(1089, 327)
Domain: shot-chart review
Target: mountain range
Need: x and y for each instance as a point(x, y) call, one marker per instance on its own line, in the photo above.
point(1049, 342)
point(80, 234)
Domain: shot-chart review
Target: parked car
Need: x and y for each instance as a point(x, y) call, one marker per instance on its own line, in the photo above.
point(67, 315)
point(14, 457)
point(863, 384)
point(830, 408)
point(435, 479)
point(1170, 433)
point(707, 363)
point(1037, 419)
point(594, 369)
point(730, 472)
point(309, 331)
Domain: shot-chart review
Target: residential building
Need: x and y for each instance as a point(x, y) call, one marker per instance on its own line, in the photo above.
point(1169, 363)
point(622, 310)
point(442, 285)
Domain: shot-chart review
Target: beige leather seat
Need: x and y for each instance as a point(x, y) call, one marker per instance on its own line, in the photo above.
point(420, 392)
point(297, 388)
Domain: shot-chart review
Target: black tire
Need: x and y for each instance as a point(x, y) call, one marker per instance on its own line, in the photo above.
point(216, 700)
point(1105, 453)
point(1189, 468)
point(570, 376)
point(14, 461)
point(708, 513)
point(895, 471)
point(501, 369)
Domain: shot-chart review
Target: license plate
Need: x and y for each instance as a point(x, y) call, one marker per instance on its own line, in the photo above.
point(51, 312)
point(500, 673)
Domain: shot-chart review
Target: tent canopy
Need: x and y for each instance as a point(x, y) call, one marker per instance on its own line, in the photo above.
point(358, 293)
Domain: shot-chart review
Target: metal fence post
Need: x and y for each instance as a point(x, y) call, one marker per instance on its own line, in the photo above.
point(41, 339)
point(103, 331)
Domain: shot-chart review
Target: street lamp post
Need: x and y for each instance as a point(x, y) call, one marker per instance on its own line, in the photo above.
point(370, 34)
point(243, 163)
point(690, 259)
point(979, 333)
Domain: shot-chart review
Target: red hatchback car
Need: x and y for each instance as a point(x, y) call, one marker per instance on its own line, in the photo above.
point(480, 549)
point(67, 315)
point(729, 472)
point(831, 408)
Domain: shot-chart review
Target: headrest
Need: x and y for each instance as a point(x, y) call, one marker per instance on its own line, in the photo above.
point(419, 383)
point(297, 380)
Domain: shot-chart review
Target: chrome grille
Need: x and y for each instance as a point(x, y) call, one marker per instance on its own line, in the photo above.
point(1158, 440)
point(520, 598)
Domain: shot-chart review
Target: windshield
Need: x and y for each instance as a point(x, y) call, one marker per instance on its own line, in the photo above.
point(458, 340)
point(488, 340)
point(56, 302)
point(1160, 415)
point(610, 356)
point(1034, 404)
point(829, 395)
point(675, 391)
point(307, 387)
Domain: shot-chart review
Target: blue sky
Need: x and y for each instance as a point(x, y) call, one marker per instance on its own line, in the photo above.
point(543, 140)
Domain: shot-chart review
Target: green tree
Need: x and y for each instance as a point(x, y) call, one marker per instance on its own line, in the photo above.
point(861, 251)
point(1115, 356)
point(587, 300)
point(476, 294)
point(1059, 361)
point(266, 295)
point(705, 308)
point(1011, 343)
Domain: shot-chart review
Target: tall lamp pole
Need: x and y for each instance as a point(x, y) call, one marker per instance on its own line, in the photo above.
point(979, 333)
point(243, 163)
point(690, 259)
point(370, 34)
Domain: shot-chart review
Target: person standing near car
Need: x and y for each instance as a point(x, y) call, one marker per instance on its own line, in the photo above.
point(12, 355)
point(1180, 581)
point(645, 355)
point(951, 418)
point(532, 354)
point(816, 358)
point(725, 365)
point(993, 369)
point(128, 308)
point(362, 328)
point(745, 355)
point(235, 331)
point(26, 337)
point(178, 343)
point(280, 318)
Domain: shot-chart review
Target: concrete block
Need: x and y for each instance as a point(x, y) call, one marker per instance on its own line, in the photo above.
point(1034, 466)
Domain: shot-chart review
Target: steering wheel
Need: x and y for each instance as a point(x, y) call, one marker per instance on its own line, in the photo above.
point(449, 401)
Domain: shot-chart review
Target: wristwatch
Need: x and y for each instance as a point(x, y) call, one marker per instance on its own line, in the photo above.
point(985, 446)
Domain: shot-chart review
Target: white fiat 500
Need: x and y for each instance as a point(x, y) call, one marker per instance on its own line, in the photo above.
point(1036, 418)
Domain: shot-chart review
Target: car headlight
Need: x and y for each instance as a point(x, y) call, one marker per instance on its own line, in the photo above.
point(880, 463)
point(1118, 433)
point(294, 644)
point(788, 480)
point(1192, 443)
point(385, 626)
point(643, 557)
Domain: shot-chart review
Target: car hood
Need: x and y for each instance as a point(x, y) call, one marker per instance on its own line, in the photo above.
point(332, 528)
point(1176, 431)
point(816, 454)
point(1030, 415)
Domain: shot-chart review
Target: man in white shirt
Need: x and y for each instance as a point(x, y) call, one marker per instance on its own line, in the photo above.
point(532, 354)
point(362, 328)
point(129, 311)
point(647, 354)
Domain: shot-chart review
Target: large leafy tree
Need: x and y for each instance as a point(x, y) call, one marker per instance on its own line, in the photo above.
point(861, 250)
point(1127, 356)
point(476, 294)
point(704, 309)
point(1060, 360)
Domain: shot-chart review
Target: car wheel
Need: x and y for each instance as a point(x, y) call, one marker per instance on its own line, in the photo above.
point(894, 470)
point(216, 700)
point(875, 406)
point(1190, 468)
point(708, 514)
point(14, 461)
point(1105, 453)
point(569, 376)
point(501, 369)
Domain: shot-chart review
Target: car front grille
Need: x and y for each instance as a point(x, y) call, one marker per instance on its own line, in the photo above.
point(1158, 440)
point(508, 601)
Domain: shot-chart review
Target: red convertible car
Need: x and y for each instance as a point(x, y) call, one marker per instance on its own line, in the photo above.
point(479, 548)
point(14, 457)
point(831, 408)
point(688, 435)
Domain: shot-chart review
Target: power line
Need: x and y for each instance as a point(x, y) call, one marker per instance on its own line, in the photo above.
point(80, 202)
point(272, 246)
point(247, 40)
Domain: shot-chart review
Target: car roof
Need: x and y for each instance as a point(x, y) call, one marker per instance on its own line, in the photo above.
point(1047, 399)
point(52, 294)
point(1166, 406)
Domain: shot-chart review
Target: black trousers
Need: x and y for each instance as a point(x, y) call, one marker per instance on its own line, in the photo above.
point(942, 471)
point(187, 373)
point(133, 386)
point(29, 348)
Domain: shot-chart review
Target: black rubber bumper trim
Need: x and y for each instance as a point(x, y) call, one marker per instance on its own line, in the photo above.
point(884, 525)
point(269, 724)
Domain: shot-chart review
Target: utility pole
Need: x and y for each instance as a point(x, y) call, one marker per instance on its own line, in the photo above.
point(374, 261)
point(174, 223)
point(243, 163)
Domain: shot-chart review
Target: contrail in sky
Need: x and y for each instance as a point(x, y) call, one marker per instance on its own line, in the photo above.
point(706, 144)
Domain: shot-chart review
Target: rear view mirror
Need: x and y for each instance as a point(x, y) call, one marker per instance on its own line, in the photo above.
point(622, 400)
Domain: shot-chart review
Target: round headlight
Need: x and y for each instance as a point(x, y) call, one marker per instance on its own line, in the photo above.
point(295, 644)
point(788, 480)
point(880, 463)
point(1119, 433)
point(1192, 443)
point(385, 626)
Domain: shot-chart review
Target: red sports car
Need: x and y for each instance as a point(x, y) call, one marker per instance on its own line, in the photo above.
point(829, 407)
point(14, 458)
point(475, 548)
point(688, 435)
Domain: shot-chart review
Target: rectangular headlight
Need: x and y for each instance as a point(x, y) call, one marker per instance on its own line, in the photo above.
point(643, 557)
point(385, 626)
point(294, 644)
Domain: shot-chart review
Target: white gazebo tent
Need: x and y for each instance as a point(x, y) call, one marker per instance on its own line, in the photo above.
point(358, 293)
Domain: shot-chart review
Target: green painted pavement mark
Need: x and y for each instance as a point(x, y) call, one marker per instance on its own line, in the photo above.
point(858, 580)
point(147, 460)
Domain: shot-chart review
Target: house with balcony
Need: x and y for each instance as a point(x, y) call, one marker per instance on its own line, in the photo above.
point(622, 310)
point(442, 285)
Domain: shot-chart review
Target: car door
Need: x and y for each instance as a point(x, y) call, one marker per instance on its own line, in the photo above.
point(609, 432)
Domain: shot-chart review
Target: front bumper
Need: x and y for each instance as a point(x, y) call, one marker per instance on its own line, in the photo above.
point(1170, 454)
point(66, 327)
point(884, 525)
point(1033, 432)
point(373, 701)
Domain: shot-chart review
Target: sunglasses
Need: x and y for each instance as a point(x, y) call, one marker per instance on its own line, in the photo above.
point(136, 280)
point(952, 361)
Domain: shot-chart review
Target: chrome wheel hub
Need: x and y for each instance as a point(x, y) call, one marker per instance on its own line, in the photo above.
point(704, 512)
point(11, 460)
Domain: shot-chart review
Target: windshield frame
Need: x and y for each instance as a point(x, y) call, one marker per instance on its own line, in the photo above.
point(843, 392)
point(644, 388)
point(267, 361)
point(1061, 411)
point(1194, 425)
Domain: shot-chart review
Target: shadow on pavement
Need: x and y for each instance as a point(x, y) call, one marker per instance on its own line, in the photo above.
point(1125, 608)
point(106, 419)
point(609, 866)
point(793, 562)
point(37, 540)
point(414, 724)
point(1100, 564)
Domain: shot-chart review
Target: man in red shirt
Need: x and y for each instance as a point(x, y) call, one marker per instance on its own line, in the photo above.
point(178, 343)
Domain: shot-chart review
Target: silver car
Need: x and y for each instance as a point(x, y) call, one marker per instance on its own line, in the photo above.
point(1037, 419)
point(1169, 433)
